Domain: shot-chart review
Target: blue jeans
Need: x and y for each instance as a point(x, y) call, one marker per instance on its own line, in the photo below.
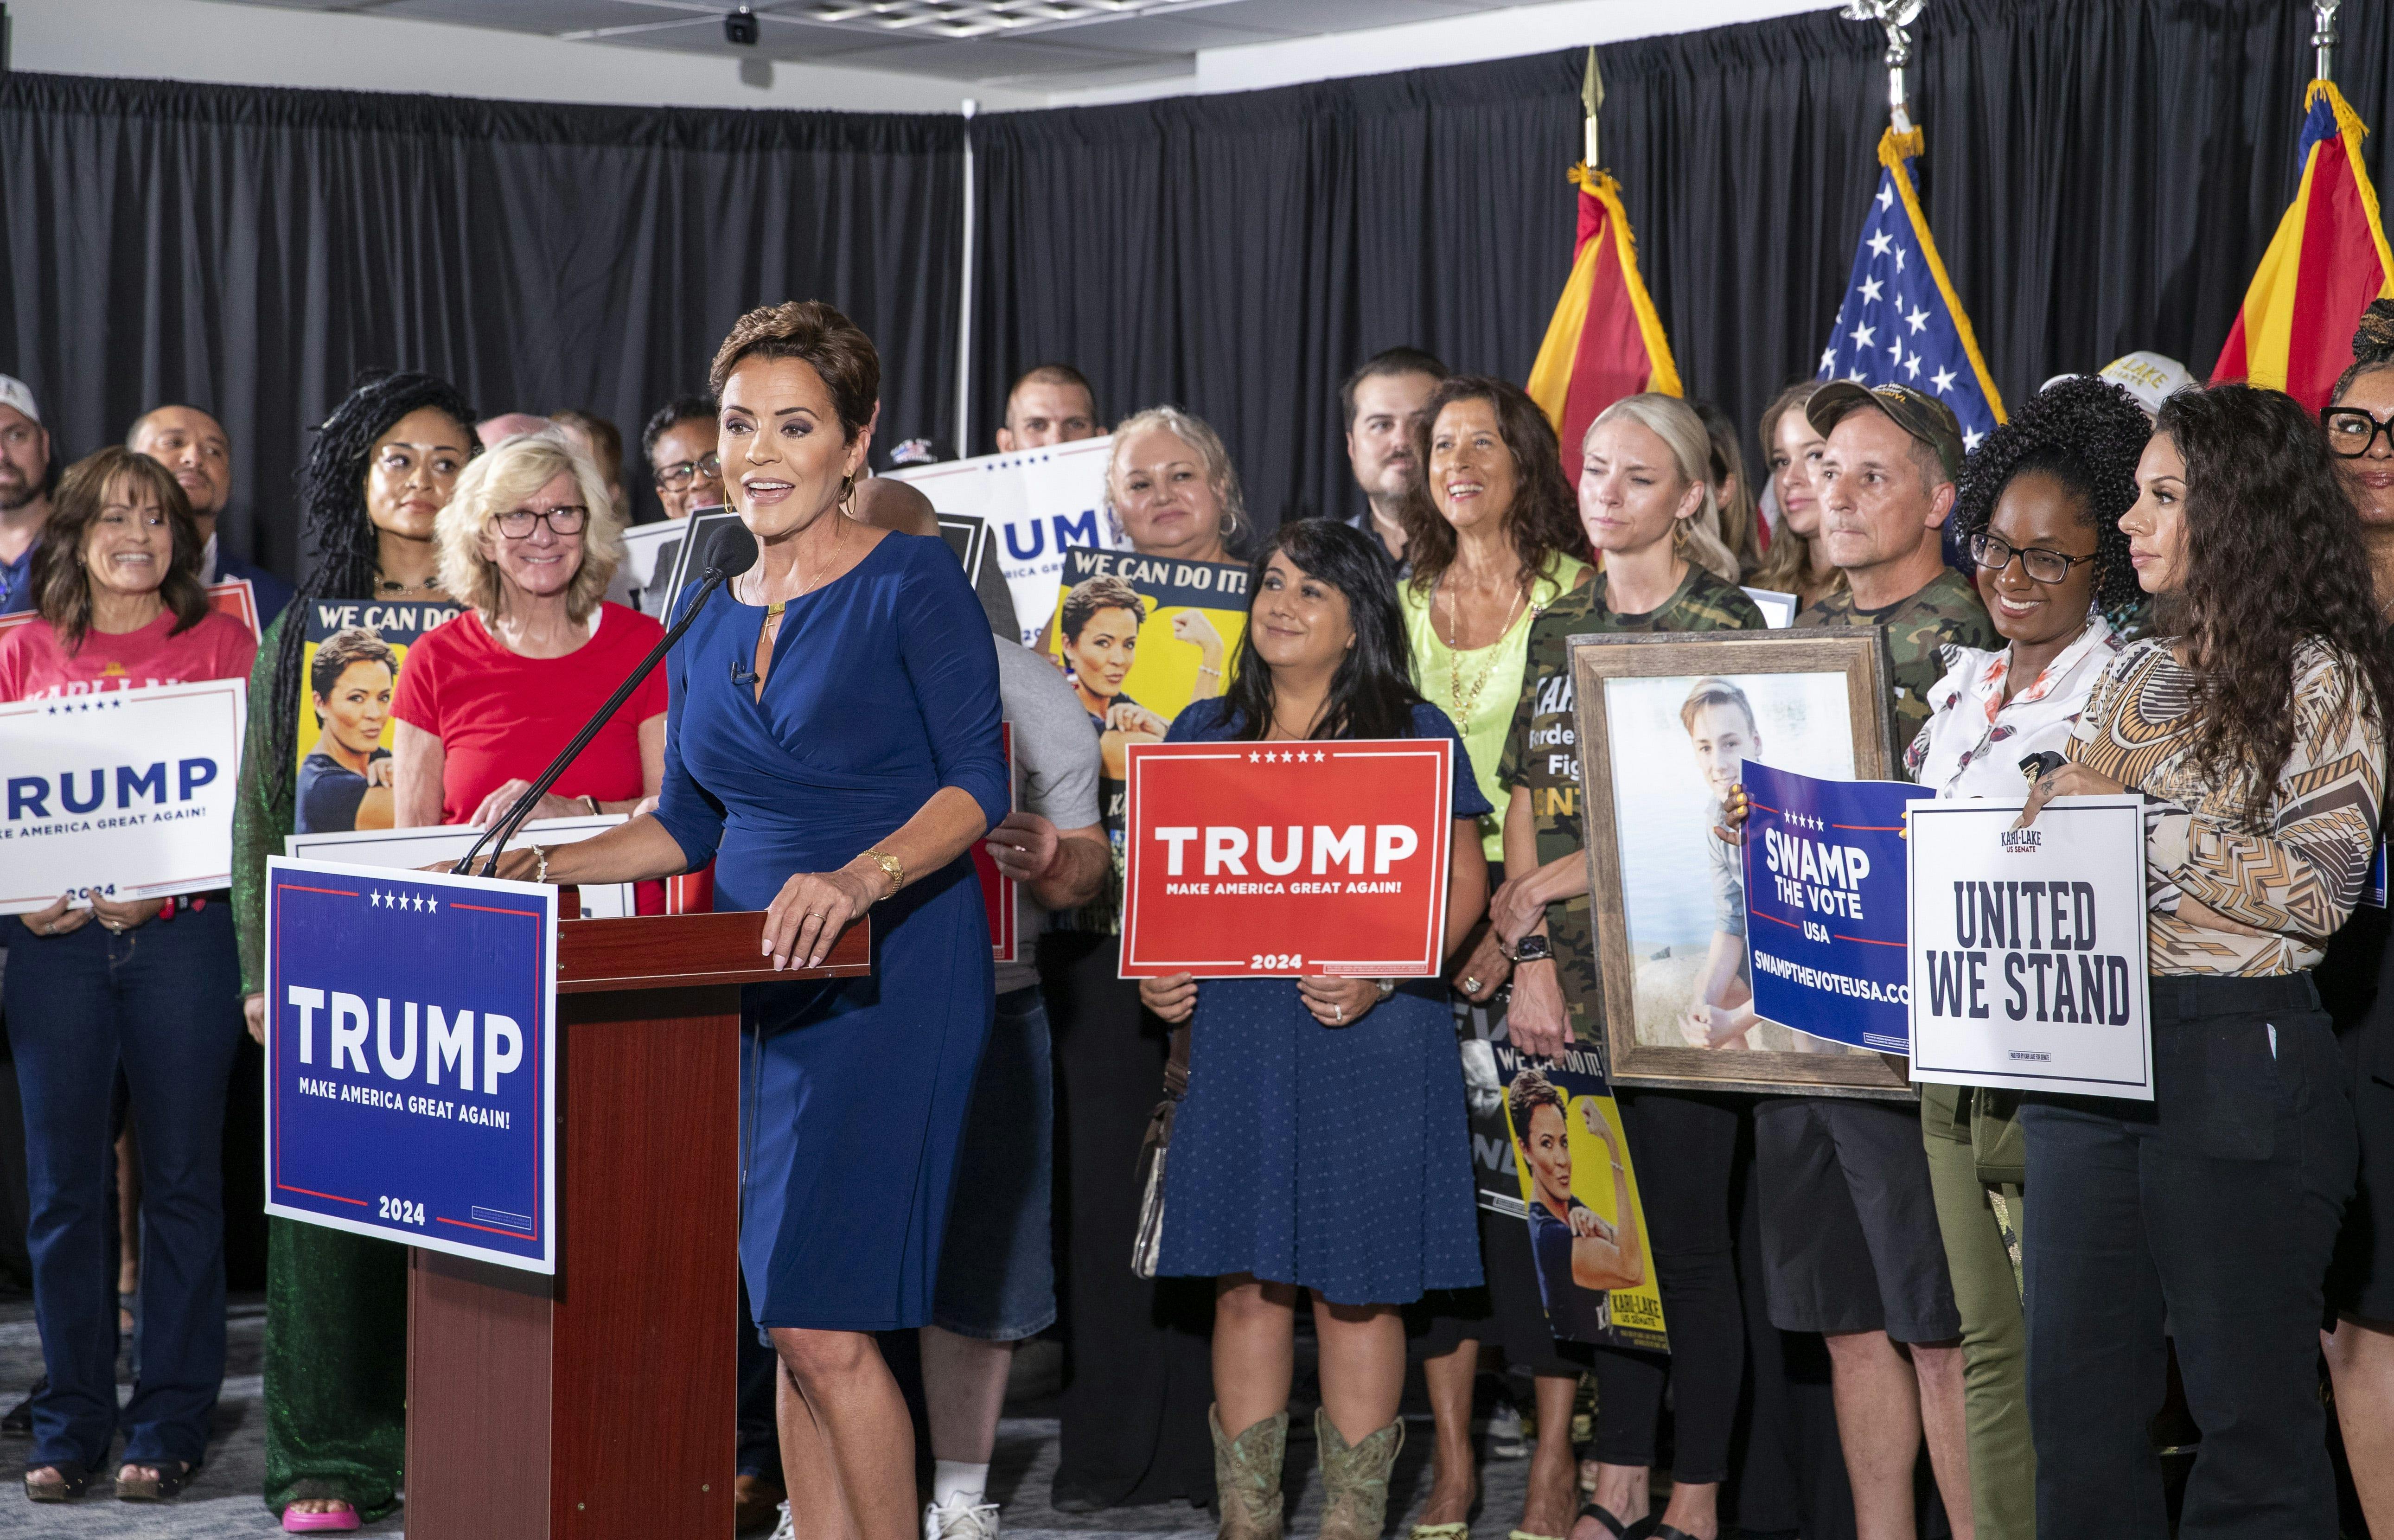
point(164, 1001)
point(997, 1264)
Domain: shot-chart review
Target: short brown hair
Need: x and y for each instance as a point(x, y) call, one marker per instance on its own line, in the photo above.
point(1531, 1090)
point(61, 587)
point(1092, 594)
point(821, 337)
point(1711, 690)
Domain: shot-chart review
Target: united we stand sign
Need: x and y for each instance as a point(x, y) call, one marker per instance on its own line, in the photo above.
point(1281, 860)
point(410, 1062)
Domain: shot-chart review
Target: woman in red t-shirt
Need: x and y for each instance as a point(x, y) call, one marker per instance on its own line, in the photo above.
point(152, 992)
point(529, 540)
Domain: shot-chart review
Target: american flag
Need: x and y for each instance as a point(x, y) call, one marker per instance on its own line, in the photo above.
point(1901, 321)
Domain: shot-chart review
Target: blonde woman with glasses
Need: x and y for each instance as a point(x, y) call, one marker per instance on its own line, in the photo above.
point(528, 541)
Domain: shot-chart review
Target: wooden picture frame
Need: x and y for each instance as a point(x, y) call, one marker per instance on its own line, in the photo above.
point(1847, 666)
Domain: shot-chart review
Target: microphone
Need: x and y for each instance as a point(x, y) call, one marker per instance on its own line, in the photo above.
point(731, 551)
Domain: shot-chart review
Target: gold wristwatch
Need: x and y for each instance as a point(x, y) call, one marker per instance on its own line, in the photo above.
point(888, 864)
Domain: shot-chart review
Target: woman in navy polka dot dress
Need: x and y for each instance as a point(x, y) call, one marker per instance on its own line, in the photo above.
point(1322, 1147)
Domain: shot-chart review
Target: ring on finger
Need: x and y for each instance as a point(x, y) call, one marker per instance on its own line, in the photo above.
point(1470, 986)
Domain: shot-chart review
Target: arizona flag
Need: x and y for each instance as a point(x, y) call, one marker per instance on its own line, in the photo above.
point(1605, 341)
point(2326, 263)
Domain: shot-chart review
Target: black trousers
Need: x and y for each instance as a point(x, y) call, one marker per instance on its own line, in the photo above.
point(2210, 1212)
point(1138, 1356)
point(1685, 1149)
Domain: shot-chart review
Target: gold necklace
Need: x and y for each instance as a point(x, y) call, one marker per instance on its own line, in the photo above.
point(1466, 702)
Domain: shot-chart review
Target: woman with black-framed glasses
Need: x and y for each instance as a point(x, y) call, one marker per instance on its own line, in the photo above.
point(2356, 984)
point(2038, 511)
point(528, 541)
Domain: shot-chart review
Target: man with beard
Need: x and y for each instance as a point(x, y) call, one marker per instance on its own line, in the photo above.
point(194, 447)
point(1380, 401)
point(25, 483)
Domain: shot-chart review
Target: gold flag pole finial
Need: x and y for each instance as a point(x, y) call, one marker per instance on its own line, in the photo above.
point(2324, 37)
point(1897, 17)
point(1591, 96)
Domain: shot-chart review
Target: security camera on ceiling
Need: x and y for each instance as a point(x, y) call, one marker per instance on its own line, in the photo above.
point(740, 27)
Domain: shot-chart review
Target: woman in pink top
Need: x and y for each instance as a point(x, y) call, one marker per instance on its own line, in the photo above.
point(152, 990)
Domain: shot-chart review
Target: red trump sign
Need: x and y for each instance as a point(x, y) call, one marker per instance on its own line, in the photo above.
point(1247, 860)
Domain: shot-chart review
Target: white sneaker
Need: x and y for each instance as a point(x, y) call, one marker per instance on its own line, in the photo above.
point(1506, 1439)
point(788, 1527)
point(960, 1521)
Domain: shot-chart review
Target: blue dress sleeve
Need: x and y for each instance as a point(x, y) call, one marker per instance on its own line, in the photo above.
point(943, 642)
point(1205, 722)
point(688, 811)
point(1431, 722)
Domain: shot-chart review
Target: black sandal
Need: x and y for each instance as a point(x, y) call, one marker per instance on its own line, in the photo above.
point(1604, 1515)
point(168, 1484)
point(74, 1480)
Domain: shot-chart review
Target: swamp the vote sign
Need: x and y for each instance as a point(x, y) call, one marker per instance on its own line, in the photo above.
point(1825, 868)
point(2028, 946)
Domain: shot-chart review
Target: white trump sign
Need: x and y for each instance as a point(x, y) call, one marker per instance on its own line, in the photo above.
point(2028, 946)
point(123, 793)
point(1037, 502)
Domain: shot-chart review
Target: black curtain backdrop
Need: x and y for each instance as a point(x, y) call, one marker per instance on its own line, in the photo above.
point(2100, 176)
point(249, 251)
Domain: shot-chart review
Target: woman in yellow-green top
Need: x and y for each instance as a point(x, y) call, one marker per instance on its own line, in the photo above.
point(1494, 534)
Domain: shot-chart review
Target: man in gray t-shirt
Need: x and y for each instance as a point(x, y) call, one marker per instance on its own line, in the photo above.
point(997, 1280)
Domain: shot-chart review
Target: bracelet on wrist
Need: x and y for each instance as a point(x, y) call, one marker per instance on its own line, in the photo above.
point(890, 866)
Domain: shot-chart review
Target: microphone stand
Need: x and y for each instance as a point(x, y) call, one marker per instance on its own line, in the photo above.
point(515, 816)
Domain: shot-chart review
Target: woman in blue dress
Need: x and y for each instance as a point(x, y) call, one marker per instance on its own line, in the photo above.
point(833, 744)
point(1321, 1146)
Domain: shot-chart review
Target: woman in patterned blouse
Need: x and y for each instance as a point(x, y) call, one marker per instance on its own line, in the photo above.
point(2253, 727)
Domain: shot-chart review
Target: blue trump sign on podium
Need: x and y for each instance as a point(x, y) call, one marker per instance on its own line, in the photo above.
point(411, 1057)
point(1827, 907)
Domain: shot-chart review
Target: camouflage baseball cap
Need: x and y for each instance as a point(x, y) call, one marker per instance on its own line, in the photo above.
point(1925, 418)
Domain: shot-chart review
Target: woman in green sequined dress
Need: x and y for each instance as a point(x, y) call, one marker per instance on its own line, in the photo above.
point(335, 1303)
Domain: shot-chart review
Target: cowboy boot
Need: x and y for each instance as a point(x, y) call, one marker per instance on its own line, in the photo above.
point(1246, 1477)
point(1355, 1479)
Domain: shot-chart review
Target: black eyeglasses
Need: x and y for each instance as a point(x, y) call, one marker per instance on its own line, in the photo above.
point(1994, 553)
point(2351, 431)
point(676, 476)
point(567, 520)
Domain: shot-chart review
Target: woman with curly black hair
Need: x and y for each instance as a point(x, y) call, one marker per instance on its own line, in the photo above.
point(382, 468)
point(2255, 728)
point(2038, 512)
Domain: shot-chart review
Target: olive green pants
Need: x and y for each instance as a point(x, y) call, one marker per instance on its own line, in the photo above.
point(1972, 1215)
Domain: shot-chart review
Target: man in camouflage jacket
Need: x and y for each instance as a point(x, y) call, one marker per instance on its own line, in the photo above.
point(1848, 1219)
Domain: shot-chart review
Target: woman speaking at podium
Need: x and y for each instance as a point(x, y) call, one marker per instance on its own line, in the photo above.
point(833, 743)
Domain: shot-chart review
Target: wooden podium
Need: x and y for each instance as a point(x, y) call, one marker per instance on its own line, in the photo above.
point(601, 1403)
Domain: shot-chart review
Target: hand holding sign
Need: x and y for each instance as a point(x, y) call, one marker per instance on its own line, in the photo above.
point(2069, 780)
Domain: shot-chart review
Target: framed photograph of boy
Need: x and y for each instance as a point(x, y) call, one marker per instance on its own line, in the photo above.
point(1667, 722)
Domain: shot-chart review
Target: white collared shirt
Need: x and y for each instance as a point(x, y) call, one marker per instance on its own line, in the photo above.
point(1975, 739)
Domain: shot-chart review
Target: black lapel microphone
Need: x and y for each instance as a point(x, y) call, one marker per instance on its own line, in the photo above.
point(731, 551)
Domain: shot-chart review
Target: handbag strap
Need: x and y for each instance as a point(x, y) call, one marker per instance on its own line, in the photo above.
point(1176, 1068)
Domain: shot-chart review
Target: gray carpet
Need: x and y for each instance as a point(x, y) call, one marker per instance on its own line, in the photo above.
point(224, 1500)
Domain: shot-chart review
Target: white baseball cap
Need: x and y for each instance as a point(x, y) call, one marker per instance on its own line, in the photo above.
point(2151, 378)
point(17, 393)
